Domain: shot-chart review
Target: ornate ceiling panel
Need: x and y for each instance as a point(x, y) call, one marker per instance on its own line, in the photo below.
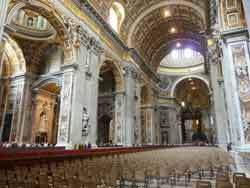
point(153, 35)
point(146, 27)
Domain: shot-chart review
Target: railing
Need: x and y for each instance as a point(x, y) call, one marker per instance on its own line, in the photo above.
point(15, 157)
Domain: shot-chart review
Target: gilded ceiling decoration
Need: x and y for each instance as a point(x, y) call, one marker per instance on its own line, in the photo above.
point(147, 27)
point(153, 35)
point(52, 88)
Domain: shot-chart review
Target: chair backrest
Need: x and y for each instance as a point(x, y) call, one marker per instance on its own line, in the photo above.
point(236, 175)
point(242, 182)
point(203, 184)
point(223, 184)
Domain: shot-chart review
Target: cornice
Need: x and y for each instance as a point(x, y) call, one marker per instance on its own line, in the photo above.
point(85, 6)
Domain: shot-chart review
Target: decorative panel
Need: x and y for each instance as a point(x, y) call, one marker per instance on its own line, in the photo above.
point(241, 67)
point(232, 14)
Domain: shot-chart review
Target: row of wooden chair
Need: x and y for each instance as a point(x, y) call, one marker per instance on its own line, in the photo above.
point(223, 181)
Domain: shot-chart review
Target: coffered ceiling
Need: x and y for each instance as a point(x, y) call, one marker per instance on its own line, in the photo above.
point(148, 25)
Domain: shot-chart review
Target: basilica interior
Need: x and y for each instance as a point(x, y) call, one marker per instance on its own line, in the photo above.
point(126, 93)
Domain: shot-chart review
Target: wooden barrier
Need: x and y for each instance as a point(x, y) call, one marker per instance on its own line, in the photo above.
point(26, 157)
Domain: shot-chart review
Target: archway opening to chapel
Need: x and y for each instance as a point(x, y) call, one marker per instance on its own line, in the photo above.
point(46, 114)
point(108, 116)
point(192, 94)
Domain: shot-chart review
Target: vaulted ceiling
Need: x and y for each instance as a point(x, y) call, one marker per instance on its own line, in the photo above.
point(147, 27)
point(193, 92)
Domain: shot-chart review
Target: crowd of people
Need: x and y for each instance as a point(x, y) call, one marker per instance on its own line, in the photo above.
point(15, 145)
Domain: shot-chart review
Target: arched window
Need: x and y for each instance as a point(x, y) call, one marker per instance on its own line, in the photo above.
point(116, 16)
point(183, 57)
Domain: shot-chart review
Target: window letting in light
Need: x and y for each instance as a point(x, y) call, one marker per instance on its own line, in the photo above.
point(183, 57)
point(116, 16)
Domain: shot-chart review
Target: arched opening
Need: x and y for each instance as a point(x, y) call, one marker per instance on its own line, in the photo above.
point(39, 45)
point(104, 130)
point(116, 16)
point(45, 114)
point(13, 65)
point(192, 95)
point(110, 84)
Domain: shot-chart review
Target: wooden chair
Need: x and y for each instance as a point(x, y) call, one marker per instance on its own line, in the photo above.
point(203, 184)
point(74, 182)
point(242, 182)
point(43, 181)
point(223, 184)
point(236, 175)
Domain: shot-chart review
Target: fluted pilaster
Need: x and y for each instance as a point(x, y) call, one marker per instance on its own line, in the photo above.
point(246, 4)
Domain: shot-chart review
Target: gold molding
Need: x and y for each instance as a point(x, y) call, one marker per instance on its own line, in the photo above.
point(84, 17)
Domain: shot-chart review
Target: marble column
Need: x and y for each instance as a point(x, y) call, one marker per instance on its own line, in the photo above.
point(138, 136)
point(24, 133)
point(79, 95)
point(119, 132)
point(218, 103)
point(18, 109)
point(130, 108)
point(65, 117)
point(246, 5)
point(236, 65)
point(149, 124)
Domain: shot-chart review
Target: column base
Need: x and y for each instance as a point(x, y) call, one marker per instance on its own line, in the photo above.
point(67, 146)
point(242, 148)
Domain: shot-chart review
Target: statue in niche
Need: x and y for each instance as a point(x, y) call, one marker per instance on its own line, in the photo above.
point(85, 122)
point(42, 136)
point(44, 118)
point(30, 22)
point(111, 132)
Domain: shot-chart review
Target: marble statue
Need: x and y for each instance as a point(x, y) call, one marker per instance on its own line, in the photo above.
point(43, 119)
point(85, 122)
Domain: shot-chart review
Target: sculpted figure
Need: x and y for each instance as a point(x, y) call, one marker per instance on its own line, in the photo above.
point(85, 122)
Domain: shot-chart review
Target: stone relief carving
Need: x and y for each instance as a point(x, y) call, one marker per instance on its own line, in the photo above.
point(243, 84)
point(43, 127)
point(78, 35)
point(118, 116)
point(66, 96)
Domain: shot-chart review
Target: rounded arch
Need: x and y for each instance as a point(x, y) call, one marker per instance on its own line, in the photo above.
point(203, 79)
point(53, 17)
point(160, 5)
point(45, 10)
point(14, 57)
point(46, 81)
point(117, 71)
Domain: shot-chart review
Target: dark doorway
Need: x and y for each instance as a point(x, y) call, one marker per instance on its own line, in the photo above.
point(7, 128)
point(103, 130)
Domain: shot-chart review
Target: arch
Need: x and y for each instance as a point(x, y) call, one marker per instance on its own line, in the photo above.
point(45, 81)
point(53, 17)
point(117, 71)
point(45, 10)
point(203, 79)
point(160, 5)
point(116, 15)
point(13, 55)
